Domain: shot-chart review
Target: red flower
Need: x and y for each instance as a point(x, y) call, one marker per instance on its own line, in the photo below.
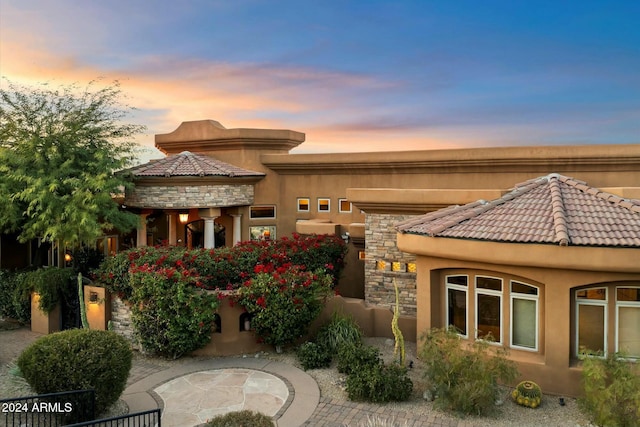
point(261, 302)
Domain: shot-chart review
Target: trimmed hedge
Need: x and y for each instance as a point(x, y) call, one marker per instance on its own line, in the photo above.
point(78, 359)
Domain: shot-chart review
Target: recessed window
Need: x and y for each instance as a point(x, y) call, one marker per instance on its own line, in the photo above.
point(262, 212)
point(591, 313)
point(324, 205)
point(303, 204)
point(344, 206)
point(524, 316)
point(263, 232)
point(457, 302)
point(489, 308)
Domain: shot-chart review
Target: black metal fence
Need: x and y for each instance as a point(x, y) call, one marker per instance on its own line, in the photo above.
point(48, 410)
point(139, 419)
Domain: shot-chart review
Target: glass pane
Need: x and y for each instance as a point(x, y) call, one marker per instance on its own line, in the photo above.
point(521, 288)
point(257, 212)
point(457, 280)
point(303, 205)
point(489, 283)
point(457, 310)
point(628, 294)
point(489, 316)
point(524, 323)
point(323, 205)
point(591, 334)
point(597, 294)
point(629, 331)
point(345, 205)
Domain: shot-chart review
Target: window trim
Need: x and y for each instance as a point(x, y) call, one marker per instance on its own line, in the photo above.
point(592, 302)
point(340, 210)
point(308, 204)
point(328, 204)
point(618, 304)
point(517, 295)
point(489, 292)
point(456, 287)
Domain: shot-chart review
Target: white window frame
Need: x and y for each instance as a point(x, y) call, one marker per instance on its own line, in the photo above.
point(482, 291)
point(340, 210)
point(593, 302)
point(308, 204)
point(328, 204)
point(457, 287)
point(632, 304)
point(517, 295)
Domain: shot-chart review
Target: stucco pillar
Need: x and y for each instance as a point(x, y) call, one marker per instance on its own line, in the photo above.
point(171, 222)
point(209, 235)
point(142, 231)
point(237, 228)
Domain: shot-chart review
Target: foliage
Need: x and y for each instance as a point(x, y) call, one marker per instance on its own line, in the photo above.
point(86, 259)
point(340, 330)
point(243, 418)
point(313, 356)
point(527, 393)
point(611, 390)
point(59, 151)
point(398, 349)
point(355, 356)
point(226, 268)
point(379, 383)
point(170, 315)
point(283, 301)
point(379, 421)
point(51, 283)
point(13, 303)
point(78, 359)
point(464, 380)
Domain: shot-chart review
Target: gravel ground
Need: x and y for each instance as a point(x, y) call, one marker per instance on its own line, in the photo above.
point(550, 413)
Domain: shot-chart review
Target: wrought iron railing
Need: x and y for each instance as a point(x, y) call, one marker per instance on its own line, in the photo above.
point(139, 419)
point(50, 410)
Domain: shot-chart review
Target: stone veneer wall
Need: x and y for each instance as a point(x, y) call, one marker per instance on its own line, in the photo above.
point(121, 320)
point(385, 263)
point(191, 196)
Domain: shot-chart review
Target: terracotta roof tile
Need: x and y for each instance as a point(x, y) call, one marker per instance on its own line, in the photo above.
point(190, 164)
point(552, 209)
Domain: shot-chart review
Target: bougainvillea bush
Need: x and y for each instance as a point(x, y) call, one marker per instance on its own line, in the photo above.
point(226, 268)
point(283, 301)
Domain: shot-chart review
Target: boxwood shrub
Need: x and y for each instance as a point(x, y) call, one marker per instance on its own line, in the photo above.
point(78, 359)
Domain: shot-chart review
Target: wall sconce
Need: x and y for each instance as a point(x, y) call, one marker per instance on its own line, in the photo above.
point(183, 217)
point(68, 257)
point(93, 297)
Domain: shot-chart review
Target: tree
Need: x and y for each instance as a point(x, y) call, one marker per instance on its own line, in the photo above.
point(60, 149)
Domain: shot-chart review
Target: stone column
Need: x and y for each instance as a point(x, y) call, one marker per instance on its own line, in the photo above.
point(142, 231)
point(237, 228)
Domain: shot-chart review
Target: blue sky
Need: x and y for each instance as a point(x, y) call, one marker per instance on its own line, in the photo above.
point(352, 75)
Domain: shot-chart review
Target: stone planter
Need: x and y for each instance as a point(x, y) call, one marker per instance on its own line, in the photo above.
point(41, 322)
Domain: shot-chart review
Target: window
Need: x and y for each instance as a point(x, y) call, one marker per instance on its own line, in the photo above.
point(303, 204)
point(262, 212)
point(628, 321)
point(591, 319)
point(456, 307)
point(324, 205)
point(344, 206)
point(524, 316)
point(489, 308)
point(263, 232)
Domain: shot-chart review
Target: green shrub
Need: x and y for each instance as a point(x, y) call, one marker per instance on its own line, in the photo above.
point(241, 419)
point(611, 390)
point(78, 359)
point(170, 315)
point(527, 393)
point(353, 357)
point(14, 302)
point(313, 356)
point(464, 380)
point(379, 383)
point(340, 330)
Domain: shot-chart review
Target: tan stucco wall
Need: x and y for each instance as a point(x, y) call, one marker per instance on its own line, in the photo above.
point(554, 365)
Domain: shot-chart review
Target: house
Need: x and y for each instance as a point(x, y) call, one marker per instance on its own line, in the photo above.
point(549, 269)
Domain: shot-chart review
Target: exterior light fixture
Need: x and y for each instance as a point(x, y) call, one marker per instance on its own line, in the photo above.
point(68, 257)
point(93, 297)
point(183, 217)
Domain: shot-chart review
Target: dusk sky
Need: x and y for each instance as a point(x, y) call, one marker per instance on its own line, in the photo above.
point(352, 75)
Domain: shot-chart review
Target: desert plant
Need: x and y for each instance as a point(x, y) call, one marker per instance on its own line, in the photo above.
point(464, 380)
point(527, 393)
point(340, 330)
point(243, 418)
point(398, 349)
point(78, 359)
point(379, 383)
point(355, 356)
point(611, 390)
point(313, 356)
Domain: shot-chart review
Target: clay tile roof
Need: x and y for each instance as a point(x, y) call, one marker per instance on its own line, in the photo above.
point(190, 164)
point(552, 209)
